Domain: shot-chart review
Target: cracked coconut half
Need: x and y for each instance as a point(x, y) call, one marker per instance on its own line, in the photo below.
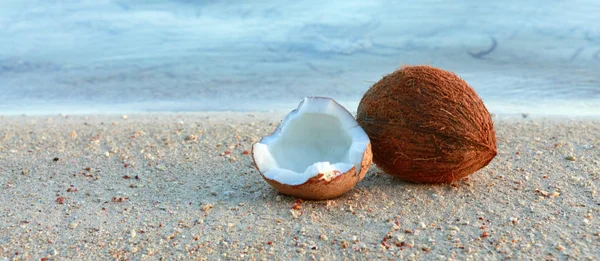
point(317, 152)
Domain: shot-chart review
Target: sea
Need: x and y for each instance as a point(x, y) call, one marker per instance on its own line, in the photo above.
point(125, 56)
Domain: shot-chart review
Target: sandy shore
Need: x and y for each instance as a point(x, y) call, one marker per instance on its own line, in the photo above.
point(176, 186)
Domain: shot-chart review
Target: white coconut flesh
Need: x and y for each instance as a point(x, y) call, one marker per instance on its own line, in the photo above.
point(319, 137)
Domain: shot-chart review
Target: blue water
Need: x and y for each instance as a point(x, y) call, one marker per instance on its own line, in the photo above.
point(132, 56)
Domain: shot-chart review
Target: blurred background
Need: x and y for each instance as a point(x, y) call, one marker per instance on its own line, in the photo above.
point(118, 56)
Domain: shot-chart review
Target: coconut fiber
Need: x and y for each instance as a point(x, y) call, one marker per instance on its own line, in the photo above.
point(427, 125)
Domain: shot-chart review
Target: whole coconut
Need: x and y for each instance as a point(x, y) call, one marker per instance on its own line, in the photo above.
point(427, 125)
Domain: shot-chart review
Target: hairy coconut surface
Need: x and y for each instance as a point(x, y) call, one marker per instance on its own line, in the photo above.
point(317, 152)
point(427, 125)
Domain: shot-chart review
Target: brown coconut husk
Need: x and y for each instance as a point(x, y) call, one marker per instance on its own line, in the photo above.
point(427, 125)
point(320, 189)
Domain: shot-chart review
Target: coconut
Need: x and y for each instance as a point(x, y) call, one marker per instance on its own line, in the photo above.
point(317, 152)
point(427, 125)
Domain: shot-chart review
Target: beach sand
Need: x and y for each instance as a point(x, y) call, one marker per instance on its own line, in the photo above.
point(180, 186)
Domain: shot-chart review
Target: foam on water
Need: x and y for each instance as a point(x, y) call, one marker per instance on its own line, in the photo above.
point(114, 56)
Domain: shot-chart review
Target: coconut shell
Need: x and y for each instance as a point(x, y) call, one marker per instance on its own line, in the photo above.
point(320, 189)
point(427, 125)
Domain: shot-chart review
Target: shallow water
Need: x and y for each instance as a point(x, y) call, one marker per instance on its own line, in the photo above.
point(538, 57)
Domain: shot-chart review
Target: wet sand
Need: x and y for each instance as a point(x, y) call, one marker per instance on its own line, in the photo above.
point(181, 186)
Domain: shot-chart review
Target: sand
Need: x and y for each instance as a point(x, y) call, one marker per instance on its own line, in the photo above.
point(180, 186)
